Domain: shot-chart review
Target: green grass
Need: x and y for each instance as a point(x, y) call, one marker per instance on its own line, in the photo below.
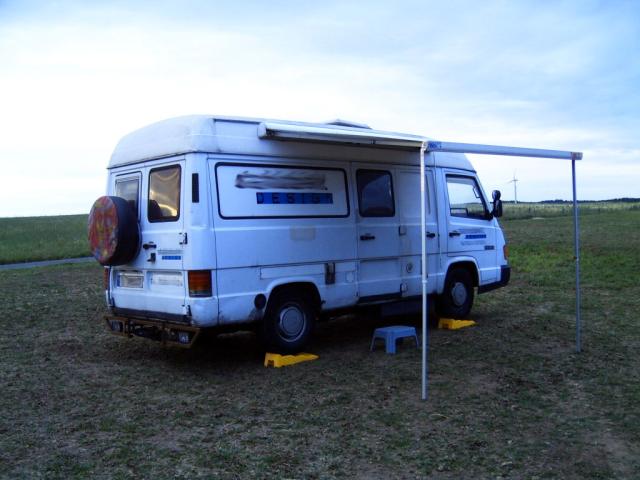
point(509, 398)
point(43, 238)
point(48, 238)
point(531, 210)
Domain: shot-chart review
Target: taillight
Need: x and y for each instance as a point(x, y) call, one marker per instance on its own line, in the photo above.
point(199, 283)
point(105, 277)
point(505, 251)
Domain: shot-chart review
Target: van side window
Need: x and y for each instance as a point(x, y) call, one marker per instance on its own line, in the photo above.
point(375, 193)
point(248, 190)
point(465, 199)
point(128, 189)
point(164, 194)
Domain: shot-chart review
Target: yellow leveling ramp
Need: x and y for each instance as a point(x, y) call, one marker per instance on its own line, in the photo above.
point(277, 360)
point(451, 324)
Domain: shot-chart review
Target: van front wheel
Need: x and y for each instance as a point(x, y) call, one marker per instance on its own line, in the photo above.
point(457, 298)
point(288, 322)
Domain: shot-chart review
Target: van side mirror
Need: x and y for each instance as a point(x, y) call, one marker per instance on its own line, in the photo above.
point(497, 204)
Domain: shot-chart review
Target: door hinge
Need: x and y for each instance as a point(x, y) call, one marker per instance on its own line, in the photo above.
point(183, 238)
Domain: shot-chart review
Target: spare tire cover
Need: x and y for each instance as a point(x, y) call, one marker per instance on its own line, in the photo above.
point(114, 235)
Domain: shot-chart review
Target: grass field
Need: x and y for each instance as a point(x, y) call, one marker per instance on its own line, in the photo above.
point(523, 210)
point(47, 238)
point(509, 398)
point(27, 239)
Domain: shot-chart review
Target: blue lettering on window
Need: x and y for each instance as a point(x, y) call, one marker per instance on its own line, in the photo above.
point(284, 198)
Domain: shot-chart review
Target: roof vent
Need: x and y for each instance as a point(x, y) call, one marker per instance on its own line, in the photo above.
point(346, 123)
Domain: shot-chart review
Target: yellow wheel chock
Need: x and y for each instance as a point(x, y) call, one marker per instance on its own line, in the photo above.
point(276, 360)
point(451, 324)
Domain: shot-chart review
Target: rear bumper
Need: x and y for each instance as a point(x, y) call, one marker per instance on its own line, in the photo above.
point(166, 332)
point(150, 315)
point(505, 276)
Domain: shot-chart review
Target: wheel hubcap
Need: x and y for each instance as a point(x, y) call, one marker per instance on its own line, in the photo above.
point(291, 322)
point(459, 294)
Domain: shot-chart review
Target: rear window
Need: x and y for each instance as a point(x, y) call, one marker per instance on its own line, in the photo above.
point(164, 194)
point(128, 189)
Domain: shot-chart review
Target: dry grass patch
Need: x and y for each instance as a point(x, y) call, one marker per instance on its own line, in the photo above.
point(508, 398)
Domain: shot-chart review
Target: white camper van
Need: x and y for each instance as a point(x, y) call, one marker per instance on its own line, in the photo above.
point(219, 222)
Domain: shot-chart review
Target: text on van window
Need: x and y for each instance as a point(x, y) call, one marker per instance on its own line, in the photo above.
point(278, 191)
point(271, 198)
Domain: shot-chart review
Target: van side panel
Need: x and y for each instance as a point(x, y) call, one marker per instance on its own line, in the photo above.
point(410, 226)
point(199, 223)
point(200, 248)
point(266, 235)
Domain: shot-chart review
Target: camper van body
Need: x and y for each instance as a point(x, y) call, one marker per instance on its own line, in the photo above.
point(261, 218)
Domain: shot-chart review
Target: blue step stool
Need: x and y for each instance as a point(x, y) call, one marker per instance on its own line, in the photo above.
point(391, 335)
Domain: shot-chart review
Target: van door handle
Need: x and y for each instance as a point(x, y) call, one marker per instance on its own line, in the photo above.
point(455, 233)
point(149, 245)
point(431, 235)
point(367, 236)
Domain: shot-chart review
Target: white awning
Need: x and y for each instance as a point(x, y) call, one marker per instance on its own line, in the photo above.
point(338, 134)
point(435, 146)
point(367, 136)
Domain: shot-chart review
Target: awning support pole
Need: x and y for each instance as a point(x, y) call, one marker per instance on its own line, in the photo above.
point(423, 230)
point(576, 238)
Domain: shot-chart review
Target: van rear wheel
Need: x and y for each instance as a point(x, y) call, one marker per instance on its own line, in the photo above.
point(457, 298)
point(288, 322)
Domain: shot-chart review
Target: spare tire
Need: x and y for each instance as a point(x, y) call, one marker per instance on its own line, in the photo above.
point(114, 234)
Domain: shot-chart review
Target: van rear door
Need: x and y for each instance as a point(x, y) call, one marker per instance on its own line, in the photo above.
point(154, 284)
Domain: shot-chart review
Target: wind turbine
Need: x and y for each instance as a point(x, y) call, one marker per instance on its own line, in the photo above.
point(515, 188)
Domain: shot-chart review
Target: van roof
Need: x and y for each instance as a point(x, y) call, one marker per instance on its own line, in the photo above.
point(335, 140)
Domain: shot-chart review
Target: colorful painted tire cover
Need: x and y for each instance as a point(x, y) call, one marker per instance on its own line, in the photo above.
point(113, 231)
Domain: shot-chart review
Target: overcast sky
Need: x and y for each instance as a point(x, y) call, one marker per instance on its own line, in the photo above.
point(77, 76)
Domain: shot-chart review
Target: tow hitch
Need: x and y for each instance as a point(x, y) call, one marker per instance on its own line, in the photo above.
point(161, 331)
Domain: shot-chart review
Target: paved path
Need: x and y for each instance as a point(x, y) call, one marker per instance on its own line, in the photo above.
point(45, 263)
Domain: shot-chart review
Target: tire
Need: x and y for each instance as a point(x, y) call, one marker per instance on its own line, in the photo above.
point(288, 324)
point(113, 231)
point(457, 298)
